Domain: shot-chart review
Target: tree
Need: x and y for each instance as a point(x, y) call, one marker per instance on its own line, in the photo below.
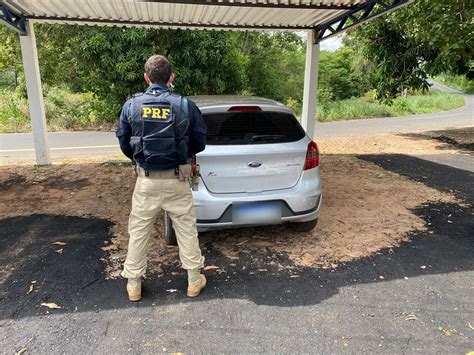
point(109, 61)
point(10, 62)
point(446, 28)
point(274, 64)
point(337, 80)
point(397, 60)
point(424, 38)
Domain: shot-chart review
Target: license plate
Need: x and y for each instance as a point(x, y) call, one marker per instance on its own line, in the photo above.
point(256, 213)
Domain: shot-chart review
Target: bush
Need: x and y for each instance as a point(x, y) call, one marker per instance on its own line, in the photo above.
point(8, 79)
point(459, 82)
point(64, 111)
point(14, 115)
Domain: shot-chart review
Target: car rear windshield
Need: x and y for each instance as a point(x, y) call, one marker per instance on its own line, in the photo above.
point(239, 128)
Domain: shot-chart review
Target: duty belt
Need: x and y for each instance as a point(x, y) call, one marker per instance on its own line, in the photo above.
point(157, 174)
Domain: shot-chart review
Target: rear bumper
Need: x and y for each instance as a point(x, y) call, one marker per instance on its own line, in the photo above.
point(300, 203)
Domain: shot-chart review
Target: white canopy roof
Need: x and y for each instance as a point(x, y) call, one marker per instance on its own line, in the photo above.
point(219, 14)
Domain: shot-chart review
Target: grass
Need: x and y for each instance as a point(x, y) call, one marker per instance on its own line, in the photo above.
point(458, 82)
point(357, 108)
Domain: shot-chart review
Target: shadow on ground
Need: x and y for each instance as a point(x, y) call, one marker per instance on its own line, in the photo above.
point(74, 279)
point(461, 138)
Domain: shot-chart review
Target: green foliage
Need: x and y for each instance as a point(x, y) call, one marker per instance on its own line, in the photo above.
point(9, 50)
point(425, 38)
point(14, 115)
point(458, 82)
point(356, 108)
point(337, 81)
point(89, 71)
point(8, 79)
point(109, 61)
point(64, 111)
point(274, 64)
point(446, 28)
point(397, 61)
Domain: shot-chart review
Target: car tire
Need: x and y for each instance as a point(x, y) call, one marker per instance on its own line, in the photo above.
point(304, 226)
point(170, 235)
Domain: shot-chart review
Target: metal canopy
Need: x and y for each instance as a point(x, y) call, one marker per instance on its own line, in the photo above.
point(321, 15)
point(321, 19)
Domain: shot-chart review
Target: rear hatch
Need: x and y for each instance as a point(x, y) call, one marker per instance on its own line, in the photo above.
point(252, 151)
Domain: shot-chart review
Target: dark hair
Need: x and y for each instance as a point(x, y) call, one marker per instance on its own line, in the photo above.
point(158, 69)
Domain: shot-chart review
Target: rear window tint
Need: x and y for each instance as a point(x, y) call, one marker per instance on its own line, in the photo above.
point(239, 128)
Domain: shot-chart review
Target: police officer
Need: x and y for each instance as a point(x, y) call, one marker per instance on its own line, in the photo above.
point(159, 131)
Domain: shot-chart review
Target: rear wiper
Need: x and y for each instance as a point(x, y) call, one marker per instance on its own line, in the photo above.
point(260, 137)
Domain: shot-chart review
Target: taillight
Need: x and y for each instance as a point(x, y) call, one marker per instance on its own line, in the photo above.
point(312, 156)
point(244, 109)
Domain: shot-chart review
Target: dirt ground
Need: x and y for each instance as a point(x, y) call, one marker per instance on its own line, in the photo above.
point(365, 208)
point(458, 141)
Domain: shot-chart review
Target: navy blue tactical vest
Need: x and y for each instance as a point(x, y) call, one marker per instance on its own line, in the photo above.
point(160, 126)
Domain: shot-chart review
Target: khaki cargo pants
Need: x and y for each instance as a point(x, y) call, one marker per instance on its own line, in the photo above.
point(161, 190)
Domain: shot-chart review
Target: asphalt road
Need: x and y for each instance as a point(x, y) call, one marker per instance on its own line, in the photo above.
point(19, 146)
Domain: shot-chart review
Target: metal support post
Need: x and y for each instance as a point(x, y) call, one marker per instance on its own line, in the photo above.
point(35, 94)
point(308, 115)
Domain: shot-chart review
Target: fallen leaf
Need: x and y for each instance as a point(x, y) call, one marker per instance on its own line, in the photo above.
point(50, 305)
point(59, 251)
point(211, 267)
point(30, 289)
point(59, 243)
point(446, 332)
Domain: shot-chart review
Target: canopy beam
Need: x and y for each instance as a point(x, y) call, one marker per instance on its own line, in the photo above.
point(12, 20)
point(35, 94)
point(358, 15)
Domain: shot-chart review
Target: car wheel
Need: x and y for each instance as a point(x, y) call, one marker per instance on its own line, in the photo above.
point(170, 235)
point(304, 226)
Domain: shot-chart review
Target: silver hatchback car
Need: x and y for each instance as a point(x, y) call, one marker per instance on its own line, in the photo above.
point(259, 167)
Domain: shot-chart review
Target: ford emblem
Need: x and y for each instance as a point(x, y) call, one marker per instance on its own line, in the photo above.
point(254, 164)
